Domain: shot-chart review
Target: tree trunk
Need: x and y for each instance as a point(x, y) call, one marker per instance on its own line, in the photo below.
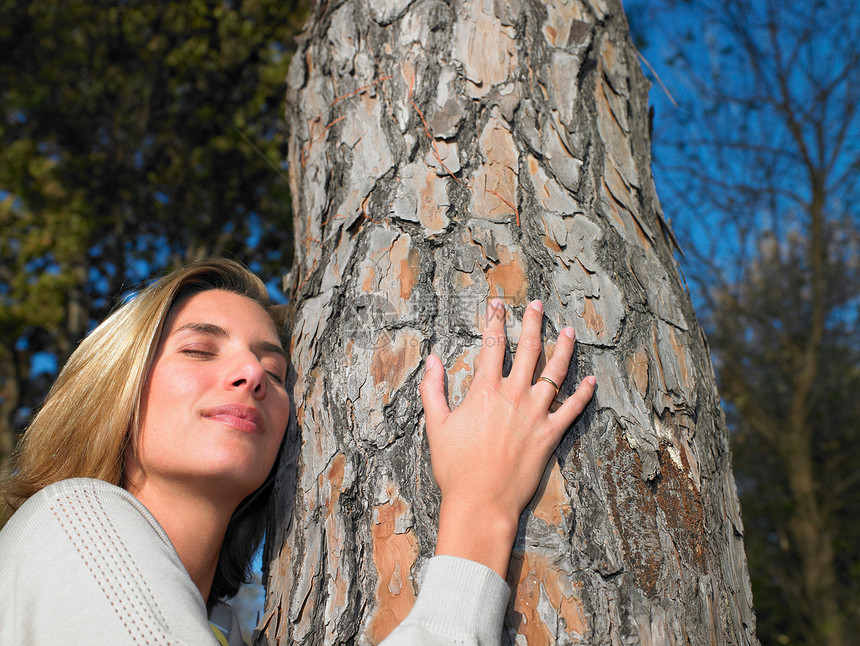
point(440, 154)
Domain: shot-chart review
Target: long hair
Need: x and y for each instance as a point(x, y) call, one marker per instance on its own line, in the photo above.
point(92, 412)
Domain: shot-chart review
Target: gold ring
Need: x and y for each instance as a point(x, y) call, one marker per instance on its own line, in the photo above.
point(550, 382)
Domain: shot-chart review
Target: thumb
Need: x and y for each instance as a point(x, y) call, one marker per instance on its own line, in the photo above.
point(432, 389)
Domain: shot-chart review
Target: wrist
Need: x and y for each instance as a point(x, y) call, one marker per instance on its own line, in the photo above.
point(478, 533)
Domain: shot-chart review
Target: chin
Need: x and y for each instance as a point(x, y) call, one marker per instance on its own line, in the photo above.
point(247, 480)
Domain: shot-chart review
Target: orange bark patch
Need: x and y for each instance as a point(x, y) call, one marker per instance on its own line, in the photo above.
point(551, 243)
point(393, 556)
point(397, 268)
point(553, 503)
point(549, 238)
point(433, 196)
point(284, 562)
point(495, 183)
point(300, 415)
point(392, 362)
point(460, 364)
point(526, 603)
point(409, 267)
point(681, 353)
point(536, 574)
point(367, 281)
point(541, 187)
point(509, 280)
point(335, 479)
point(398, 253)
point(460, 386)
point(592, 319)
point(546, 355)
point(462, 279)
point(334, 528)
point(637, 368)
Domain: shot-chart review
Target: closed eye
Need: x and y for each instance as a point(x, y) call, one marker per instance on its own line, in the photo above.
point(197, 352)
point(276, 377)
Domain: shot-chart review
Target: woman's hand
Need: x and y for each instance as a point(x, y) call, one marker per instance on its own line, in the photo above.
point(489, 454)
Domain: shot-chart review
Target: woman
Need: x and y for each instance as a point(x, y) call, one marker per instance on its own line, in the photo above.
point(141, 484)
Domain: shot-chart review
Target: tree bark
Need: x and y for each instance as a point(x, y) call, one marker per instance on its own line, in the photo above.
point(441, 154)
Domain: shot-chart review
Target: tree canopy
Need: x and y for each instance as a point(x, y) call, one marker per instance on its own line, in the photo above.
point(135, 136)
point(757, 157)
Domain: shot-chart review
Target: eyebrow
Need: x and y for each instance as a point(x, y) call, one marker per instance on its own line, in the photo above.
point(221, 333)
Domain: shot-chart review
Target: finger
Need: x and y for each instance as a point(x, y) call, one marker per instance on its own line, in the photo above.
point(557, 367)
point(529, 346)
point(432, 389)
point(574, 405)
point(492, 355)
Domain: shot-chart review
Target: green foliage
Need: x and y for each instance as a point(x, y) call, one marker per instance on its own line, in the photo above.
point(134, 136)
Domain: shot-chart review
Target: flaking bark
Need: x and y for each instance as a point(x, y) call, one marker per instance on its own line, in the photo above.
point(441, 153)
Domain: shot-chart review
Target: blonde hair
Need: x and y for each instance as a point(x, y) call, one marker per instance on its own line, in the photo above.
point(92, 412)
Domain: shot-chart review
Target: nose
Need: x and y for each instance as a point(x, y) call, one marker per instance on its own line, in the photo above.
point(248, 373)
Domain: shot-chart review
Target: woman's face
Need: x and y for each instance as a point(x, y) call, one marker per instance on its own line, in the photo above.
point(215, 406)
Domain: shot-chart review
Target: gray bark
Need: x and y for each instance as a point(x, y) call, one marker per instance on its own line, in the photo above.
point(441, 153)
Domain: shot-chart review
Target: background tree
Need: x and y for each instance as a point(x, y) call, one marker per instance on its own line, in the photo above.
point(135, 136)
point(440, 153)
point(759, 168)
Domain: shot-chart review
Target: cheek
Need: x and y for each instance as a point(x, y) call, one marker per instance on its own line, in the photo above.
point(163, 407)
point(171, 387)
point(284, 411)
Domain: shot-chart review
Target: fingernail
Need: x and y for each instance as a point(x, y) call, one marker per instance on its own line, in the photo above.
point(591, 380)
point(429, 363)
point(568, 332)
point(496, 303)
point(536, 305)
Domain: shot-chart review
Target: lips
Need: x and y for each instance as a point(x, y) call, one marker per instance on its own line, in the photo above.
point(244, 418)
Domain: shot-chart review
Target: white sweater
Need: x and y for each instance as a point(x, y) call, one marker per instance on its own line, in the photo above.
point(84, 562)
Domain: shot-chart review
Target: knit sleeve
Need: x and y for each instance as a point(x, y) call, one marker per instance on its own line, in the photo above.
point(460, 602)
